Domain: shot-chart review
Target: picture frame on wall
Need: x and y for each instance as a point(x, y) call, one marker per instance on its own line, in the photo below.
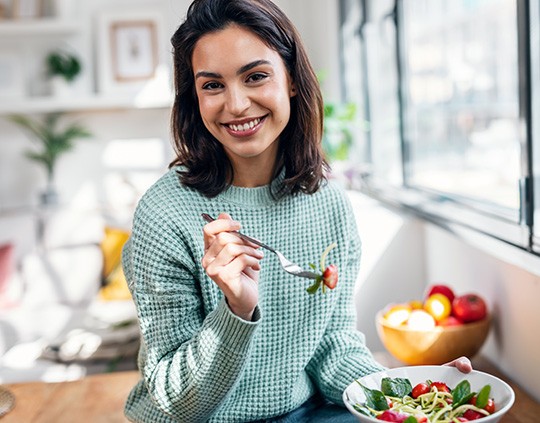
point(27, 9)
point(134, 50)
point(131, 54)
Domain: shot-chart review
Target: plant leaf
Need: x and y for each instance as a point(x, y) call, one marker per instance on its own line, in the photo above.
point(396, 387)
point(483, 396)
point(312, 289)
point(375, 399)
point(53, 141)
point(461, 393)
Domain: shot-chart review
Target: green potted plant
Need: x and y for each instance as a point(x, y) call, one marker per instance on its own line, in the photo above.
point(62, 67)
point(53, 142)
point(338, 135)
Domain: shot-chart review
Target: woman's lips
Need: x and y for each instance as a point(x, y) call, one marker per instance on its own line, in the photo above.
point(246, 128)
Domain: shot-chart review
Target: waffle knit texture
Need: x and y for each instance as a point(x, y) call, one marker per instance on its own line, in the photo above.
point(200, 362)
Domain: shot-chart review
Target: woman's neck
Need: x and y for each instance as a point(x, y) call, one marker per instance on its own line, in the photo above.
point(252, 172)
point(253, 176)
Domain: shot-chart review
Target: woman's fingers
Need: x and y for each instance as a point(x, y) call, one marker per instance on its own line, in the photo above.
point(233, 271)
point(223, 246)
point(216, 259)
point(463, 364)
point(221, 225)
point(232, 264)
point(218, 243)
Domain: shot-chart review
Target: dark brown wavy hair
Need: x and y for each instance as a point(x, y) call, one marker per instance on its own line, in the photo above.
point(206, 166)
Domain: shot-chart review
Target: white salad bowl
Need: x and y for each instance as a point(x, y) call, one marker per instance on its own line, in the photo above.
point(501, 392)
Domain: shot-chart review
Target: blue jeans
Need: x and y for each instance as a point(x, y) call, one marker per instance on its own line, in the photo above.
point(316, 410)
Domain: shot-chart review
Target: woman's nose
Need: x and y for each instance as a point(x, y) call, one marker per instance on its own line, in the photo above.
point(237, 100)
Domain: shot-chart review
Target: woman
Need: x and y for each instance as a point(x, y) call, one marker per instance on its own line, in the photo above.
point(227, 335)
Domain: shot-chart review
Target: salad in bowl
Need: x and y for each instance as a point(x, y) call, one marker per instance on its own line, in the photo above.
point(428, 394)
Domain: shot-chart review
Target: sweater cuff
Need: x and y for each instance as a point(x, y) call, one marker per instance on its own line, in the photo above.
point(231, 331)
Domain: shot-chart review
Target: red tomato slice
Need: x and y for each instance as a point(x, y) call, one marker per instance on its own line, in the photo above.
point(420, 389)
point(490, 406)
point(441, 386)
point(396, 417)
point(330, 276)
point(472, 415)
point(392, 416)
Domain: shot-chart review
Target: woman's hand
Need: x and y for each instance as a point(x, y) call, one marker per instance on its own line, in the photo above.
point(232, 264)
point(463, 364)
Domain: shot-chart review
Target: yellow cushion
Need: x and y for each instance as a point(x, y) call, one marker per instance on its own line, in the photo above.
point(115, 284)
point(116, 287)
point(111, 246)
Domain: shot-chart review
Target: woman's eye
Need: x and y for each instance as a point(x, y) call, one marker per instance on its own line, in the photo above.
point(256, 77)
point(211, 86)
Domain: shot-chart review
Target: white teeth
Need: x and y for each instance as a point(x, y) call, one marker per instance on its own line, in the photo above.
point(246, 126)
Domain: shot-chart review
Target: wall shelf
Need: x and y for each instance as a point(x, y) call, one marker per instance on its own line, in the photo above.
point(81, 104)
point(37, 27)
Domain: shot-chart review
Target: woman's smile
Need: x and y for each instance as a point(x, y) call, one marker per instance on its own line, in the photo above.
point(244, 127)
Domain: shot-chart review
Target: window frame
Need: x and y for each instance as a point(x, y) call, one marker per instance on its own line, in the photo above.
point(447, 210)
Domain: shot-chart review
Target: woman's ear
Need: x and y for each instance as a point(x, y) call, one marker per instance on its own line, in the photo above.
point(292, 91)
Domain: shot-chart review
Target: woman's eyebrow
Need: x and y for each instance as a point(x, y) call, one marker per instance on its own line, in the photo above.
point(252, 65)
point(207, 74)
point(245, 68)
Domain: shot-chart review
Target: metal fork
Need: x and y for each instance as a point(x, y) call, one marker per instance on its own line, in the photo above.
point(287, 265)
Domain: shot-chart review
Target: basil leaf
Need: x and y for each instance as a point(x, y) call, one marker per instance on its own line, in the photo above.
point(312, 289)
point(461, 393)
point(396, 387)
point(483, 397)
point(464, 400)
point(362, 409)
point(410, 419)
point(375, 399)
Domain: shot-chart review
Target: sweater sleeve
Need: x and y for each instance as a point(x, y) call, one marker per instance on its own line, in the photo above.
point(190, 359)
point(342, 355)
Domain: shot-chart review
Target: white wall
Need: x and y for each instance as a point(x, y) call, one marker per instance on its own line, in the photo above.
point(403, 255)
point(511, 291)
point(82, 170)
point(392, 267)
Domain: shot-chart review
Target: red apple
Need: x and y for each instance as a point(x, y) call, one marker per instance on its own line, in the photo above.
point(440, 289)
point(469, 308)
point(450, 321)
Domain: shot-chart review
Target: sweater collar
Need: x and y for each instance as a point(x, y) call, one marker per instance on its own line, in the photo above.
point(259, 196)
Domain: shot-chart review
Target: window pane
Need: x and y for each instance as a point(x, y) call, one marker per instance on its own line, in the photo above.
point(380, 36)
point(353, 74)
point(534, 13)
point(461, 98)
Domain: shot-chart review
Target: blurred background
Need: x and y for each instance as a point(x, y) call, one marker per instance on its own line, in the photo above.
point(431, 124)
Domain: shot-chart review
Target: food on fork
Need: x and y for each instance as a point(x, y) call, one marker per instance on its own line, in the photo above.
point(328, 276)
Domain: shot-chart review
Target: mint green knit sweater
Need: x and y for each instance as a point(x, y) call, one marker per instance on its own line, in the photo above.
point(200, 362)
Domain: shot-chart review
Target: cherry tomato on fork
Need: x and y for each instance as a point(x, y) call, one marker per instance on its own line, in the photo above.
point(330, 276)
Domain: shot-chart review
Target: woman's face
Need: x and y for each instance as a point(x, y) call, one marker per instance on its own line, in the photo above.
point(244, 93)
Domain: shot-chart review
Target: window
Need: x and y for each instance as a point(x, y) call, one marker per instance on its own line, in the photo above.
point(447, 90)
